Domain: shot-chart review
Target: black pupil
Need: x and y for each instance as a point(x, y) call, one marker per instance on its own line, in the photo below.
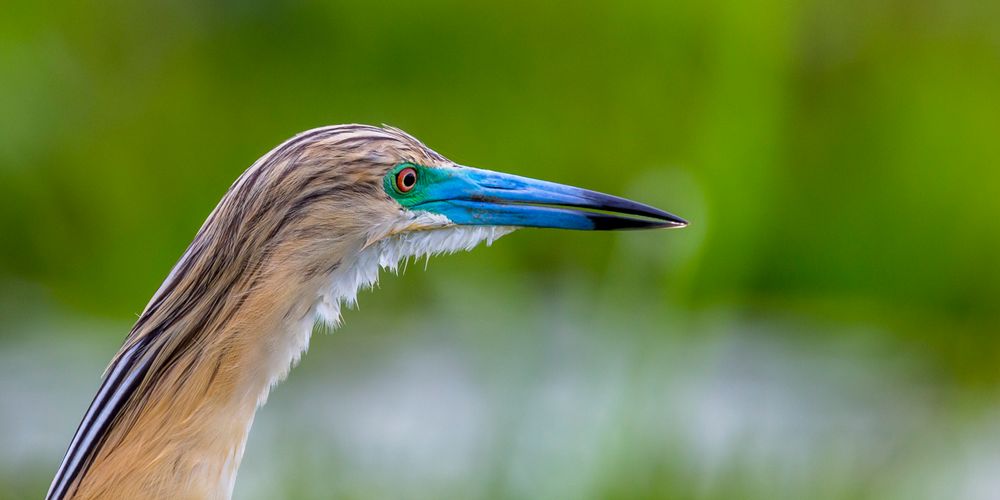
point(409, 178)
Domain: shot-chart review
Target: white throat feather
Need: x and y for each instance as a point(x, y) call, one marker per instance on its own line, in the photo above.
point(389, 253)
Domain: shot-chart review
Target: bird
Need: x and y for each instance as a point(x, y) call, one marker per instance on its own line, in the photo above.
point(292, 241)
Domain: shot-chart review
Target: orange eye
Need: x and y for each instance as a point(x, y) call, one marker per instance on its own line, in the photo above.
point(406, 179)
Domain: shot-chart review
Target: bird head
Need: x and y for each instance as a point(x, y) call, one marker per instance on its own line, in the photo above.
point(351, 199)
point(393, 186)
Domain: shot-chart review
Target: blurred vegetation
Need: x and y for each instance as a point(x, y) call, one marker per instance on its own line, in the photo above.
point(838, 160)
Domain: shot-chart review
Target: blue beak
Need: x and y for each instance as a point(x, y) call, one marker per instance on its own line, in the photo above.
point(471, 196)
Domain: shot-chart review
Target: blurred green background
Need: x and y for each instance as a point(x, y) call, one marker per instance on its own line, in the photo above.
point(826, 327)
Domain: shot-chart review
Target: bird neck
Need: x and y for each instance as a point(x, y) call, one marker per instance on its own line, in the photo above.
point(183, 433)
point(173, 414)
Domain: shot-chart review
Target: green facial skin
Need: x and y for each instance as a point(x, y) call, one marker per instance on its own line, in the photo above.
point(426, 177)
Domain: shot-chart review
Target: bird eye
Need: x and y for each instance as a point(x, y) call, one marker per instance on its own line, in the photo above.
point(406, 179)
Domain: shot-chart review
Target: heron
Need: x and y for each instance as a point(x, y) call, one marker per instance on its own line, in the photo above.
point(293, 240)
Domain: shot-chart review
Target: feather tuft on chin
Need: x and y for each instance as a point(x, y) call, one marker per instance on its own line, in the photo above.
point(391, 253)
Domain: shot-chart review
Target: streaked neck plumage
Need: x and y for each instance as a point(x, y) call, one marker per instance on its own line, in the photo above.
point(282, 250)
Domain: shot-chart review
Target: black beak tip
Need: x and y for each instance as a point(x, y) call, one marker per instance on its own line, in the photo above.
point(663, 219)
point(671, 220)
point(610, 222)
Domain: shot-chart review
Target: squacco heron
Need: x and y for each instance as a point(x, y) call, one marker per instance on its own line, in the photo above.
point(295, 237)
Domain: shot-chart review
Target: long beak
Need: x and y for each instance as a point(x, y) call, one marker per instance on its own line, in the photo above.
point(472, 196)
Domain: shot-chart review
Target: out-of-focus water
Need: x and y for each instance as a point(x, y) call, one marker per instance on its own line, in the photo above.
point(470, 401)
